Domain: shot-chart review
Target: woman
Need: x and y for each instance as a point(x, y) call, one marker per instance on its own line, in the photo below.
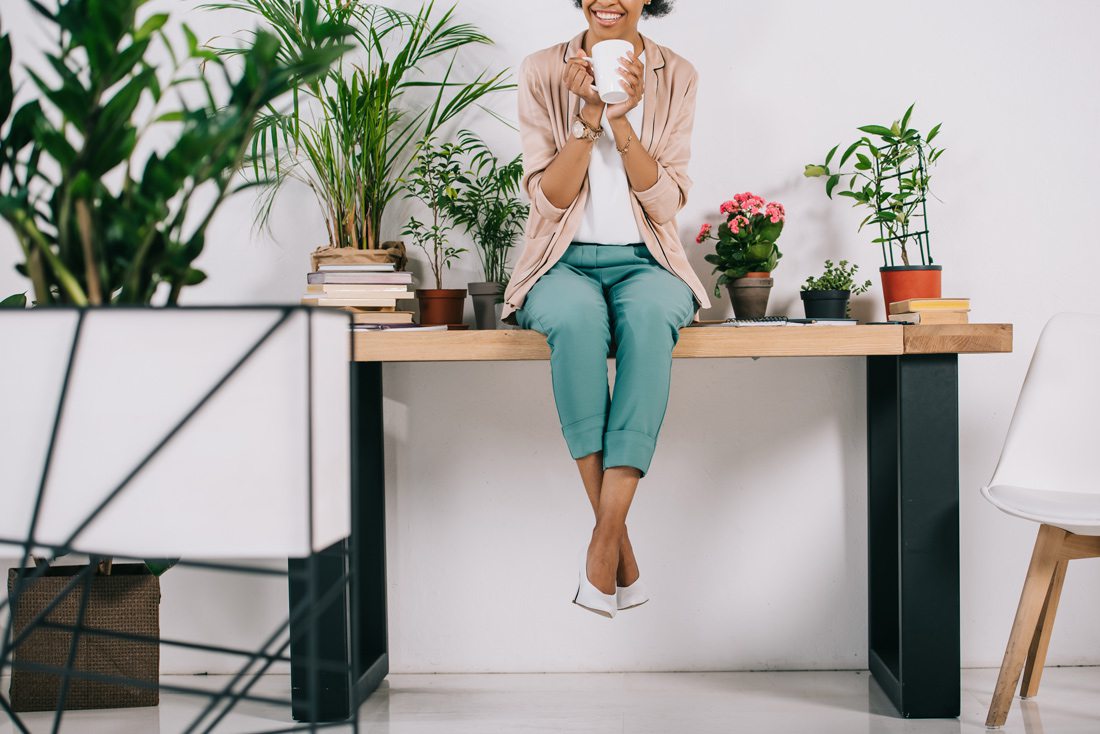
point(603, 263)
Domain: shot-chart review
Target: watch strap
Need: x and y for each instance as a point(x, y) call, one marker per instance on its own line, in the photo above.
point(593, 133)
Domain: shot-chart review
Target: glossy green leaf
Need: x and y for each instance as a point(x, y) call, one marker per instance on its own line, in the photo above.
point(905, 117)
point(876, 130)
point(18, 300)
point(151, 25)
point(848, 153)
point(157, 566)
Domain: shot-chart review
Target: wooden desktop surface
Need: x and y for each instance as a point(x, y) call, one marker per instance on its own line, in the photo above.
point(468, 345)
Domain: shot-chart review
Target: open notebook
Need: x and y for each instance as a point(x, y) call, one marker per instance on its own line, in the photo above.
point(777, 321)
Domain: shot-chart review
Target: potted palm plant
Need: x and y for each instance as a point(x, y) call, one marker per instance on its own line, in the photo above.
point(828, 296)
point(488, 206)
point(890, 179)
point(434, 176)
point(745, 251)
point(99, 226)
point(350, 134)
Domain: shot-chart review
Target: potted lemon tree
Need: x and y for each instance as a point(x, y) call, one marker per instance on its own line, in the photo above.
point(436, 172)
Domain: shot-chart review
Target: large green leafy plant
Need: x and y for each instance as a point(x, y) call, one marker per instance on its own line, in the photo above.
point(351, 135)
point(890, 179)
point(96, 223)
point(488, 206)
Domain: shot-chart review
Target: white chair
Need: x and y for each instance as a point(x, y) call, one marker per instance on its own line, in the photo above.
point(1048, 472)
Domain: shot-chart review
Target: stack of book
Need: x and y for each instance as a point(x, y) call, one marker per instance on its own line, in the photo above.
point(369, 291)
point(931, 311)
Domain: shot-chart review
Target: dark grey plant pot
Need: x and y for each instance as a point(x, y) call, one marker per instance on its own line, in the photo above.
point(826, 304)
point(750, 297)
point(485, 295)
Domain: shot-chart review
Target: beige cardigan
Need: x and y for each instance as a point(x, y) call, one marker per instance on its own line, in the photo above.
point(546, 112)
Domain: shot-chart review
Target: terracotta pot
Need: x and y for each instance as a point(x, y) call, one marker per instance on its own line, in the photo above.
point(902, 282)
point(441, 305)
point(750, 296)
point(758, 275)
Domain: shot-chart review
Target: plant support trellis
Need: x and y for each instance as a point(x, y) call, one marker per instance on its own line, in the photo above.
point(887, 236)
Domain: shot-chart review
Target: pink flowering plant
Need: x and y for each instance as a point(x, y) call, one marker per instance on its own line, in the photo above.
point(746, 242)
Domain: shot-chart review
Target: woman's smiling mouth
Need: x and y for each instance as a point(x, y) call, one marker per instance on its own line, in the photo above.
point(607, 17)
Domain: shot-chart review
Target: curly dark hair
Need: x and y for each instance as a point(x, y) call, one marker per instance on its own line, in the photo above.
point(654, 9)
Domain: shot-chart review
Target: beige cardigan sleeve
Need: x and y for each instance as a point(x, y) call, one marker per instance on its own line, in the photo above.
point(668, 195)
point(537, 137)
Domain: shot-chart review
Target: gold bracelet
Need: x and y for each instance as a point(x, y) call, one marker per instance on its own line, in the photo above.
point(626, 147)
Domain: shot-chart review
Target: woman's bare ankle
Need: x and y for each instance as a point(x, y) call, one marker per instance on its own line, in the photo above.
point(627, 572)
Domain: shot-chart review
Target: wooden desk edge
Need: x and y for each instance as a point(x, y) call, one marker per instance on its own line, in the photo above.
point(698, 342)
point(958, 339)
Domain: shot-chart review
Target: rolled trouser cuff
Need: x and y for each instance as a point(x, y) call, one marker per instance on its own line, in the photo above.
point(628, 448)
point(585, 436)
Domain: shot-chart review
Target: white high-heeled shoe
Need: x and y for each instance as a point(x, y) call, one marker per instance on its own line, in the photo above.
point(634, 595)
point(588, 596)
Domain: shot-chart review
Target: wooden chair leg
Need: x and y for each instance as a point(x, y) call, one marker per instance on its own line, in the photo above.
point(1037, 654)
point(1040, 573)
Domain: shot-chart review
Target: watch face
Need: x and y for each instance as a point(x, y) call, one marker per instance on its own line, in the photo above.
point(578, 129)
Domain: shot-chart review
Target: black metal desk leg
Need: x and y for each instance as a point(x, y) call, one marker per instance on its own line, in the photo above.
point(352, 633)
point(327, 627)
point(913, 532)
point(370, 631)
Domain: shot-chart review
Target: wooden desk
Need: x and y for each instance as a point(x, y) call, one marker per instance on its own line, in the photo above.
point(912, 485)
point(699, 341)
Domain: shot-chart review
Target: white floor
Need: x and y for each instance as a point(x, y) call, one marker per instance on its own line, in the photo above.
point(624, 703)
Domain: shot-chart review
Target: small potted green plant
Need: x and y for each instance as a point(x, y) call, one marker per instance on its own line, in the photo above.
point(488, 206)
point(828, 296)
point(745, 251)
point(436, 171)
point(890, 179)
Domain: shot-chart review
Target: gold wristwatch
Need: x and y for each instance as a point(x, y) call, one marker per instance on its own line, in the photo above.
point(583, 131)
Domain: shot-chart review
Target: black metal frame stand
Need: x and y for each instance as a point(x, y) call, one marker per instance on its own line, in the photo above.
point(319, 620)
point(913, 532)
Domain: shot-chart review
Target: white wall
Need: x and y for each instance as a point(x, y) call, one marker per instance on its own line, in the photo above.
point(751, 526)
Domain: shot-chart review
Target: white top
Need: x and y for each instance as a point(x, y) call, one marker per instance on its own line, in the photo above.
point(608, 217)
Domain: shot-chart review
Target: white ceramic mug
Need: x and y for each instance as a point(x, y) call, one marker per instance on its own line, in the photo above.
point(605, 67)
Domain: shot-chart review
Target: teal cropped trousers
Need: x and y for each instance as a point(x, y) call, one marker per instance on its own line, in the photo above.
point(594, 298)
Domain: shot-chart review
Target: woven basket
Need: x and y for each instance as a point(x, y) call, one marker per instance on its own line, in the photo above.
point(387, 252)
point(127, 601)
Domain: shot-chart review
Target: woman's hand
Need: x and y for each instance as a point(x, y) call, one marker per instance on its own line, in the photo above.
point(633, 81)
point(578, 79)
